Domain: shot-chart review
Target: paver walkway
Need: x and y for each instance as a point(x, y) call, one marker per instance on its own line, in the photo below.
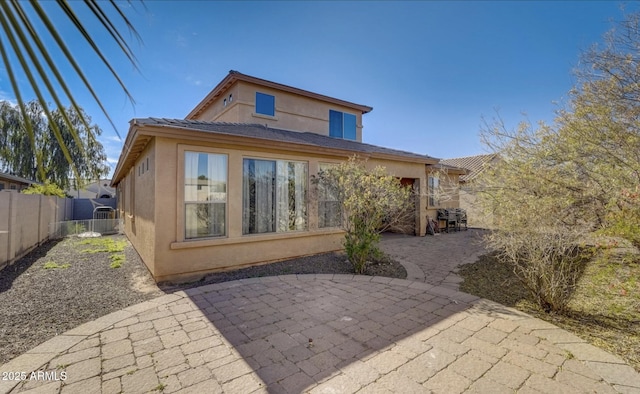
point(319, 334)
point(435, 259)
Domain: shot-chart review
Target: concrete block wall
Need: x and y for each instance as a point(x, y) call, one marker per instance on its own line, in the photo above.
point(24, 222)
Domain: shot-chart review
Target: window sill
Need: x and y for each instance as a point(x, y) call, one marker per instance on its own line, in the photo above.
point(188, 244)
point(262, 116)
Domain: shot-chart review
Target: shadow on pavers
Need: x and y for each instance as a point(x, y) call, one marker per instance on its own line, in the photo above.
point(296, 331)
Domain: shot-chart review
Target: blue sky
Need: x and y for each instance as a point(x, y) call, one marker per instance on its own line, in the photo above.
point(431, 70)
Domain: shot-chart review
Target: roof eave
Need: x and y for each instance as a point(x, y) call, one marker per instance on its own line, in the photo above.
point(140, 133)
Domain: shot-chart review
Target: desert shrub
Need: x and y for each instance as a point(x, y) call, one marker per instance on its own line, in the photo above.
point(369, 201)
point(623, 218)
point(548, 262)
point(578, 174)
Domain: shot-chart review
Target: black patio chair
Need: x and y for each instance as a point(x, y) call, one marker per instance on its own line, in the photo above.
point(461, 218)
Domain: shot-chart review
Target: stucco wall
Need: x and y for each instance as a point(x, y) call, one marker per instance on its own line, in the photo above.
point(450, 195)
point(137, 204)
point(159, 236)
point(292, 112)
point(218, 112)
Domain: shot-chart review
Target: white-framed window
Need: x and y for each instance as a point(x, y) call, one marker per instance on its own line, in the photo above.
point(274, 196)
point(205, 195)
point(434, 184)
point(329, 208)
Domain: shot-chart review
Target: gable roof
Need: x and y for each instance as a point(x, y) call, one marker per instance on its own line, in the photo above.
point(18, 179)
point(475, 164)
point(235, 76)
point(257, 133)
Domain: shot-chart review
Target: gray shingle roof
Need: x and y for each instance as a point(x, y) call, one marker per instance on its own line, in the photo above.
point(16, 178)
point(267, 133)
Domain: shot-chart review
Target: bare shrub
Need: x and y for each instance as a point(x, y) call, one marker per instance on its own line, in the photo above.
point(548, 262)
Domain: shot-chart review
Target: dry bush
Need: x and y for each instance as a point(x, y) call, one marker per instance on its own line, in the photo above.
point(548, 262)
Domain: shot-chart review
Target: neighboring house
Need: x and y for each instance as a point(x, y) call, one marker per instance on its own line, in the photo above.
point(97, 189)
point(469, 186)
point(12, 182)
point(230, 185)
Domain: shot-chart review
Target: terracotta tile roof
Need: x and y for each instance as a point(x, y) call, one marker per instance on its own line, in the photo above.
point(268, 133)
point(474, 164)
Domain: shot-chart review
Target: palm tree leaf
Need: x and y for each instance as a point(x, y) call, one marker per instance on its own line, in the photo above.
point(23, 62)
point(60, 42)
point(113, 31)
point(85, 34)
point(26, 44)
point(37, 64)
point(51, 65)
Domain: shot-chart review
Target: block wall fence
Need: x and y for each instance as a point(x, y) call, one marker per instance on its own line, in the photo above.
point(24, 222)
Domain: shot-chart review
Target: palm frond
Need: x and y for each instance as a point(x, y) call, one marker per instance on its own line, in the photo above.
point(23, 40)
point(24, 53)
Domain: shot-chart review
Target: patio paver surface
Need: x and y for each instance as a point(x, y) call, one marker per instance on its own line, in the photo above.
point(322, 334)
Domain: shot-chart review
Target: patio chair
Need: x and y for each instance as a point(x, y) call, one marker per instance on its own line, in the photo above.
point(461, 218)
point(452, 220)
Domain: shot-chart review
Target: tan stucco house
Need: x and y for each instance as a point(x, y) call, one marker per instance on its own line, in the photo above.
point(229, 185)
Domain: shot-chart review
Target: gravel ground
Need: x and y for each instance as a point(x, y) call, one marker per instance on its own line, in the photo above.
point(39, 303)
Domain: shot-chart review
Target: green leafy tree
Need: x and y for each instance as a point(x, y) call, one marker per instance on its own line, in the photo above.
point(46, 189)
point(370, 201)
point(559, 184)
point(22, 151)
point(29, 39)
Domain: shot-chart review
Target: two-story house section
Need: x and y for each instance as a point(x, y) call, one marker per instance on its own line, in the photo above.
point(230, 185)
point(241, 98)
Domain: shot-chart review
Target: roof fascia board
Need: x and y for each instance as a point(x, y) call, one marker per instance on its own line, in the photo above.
point(124, 154)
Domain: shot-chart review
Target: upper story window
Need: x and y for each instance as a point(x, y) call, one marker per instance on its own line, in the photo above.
point(265, 104)
point(342, 125)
